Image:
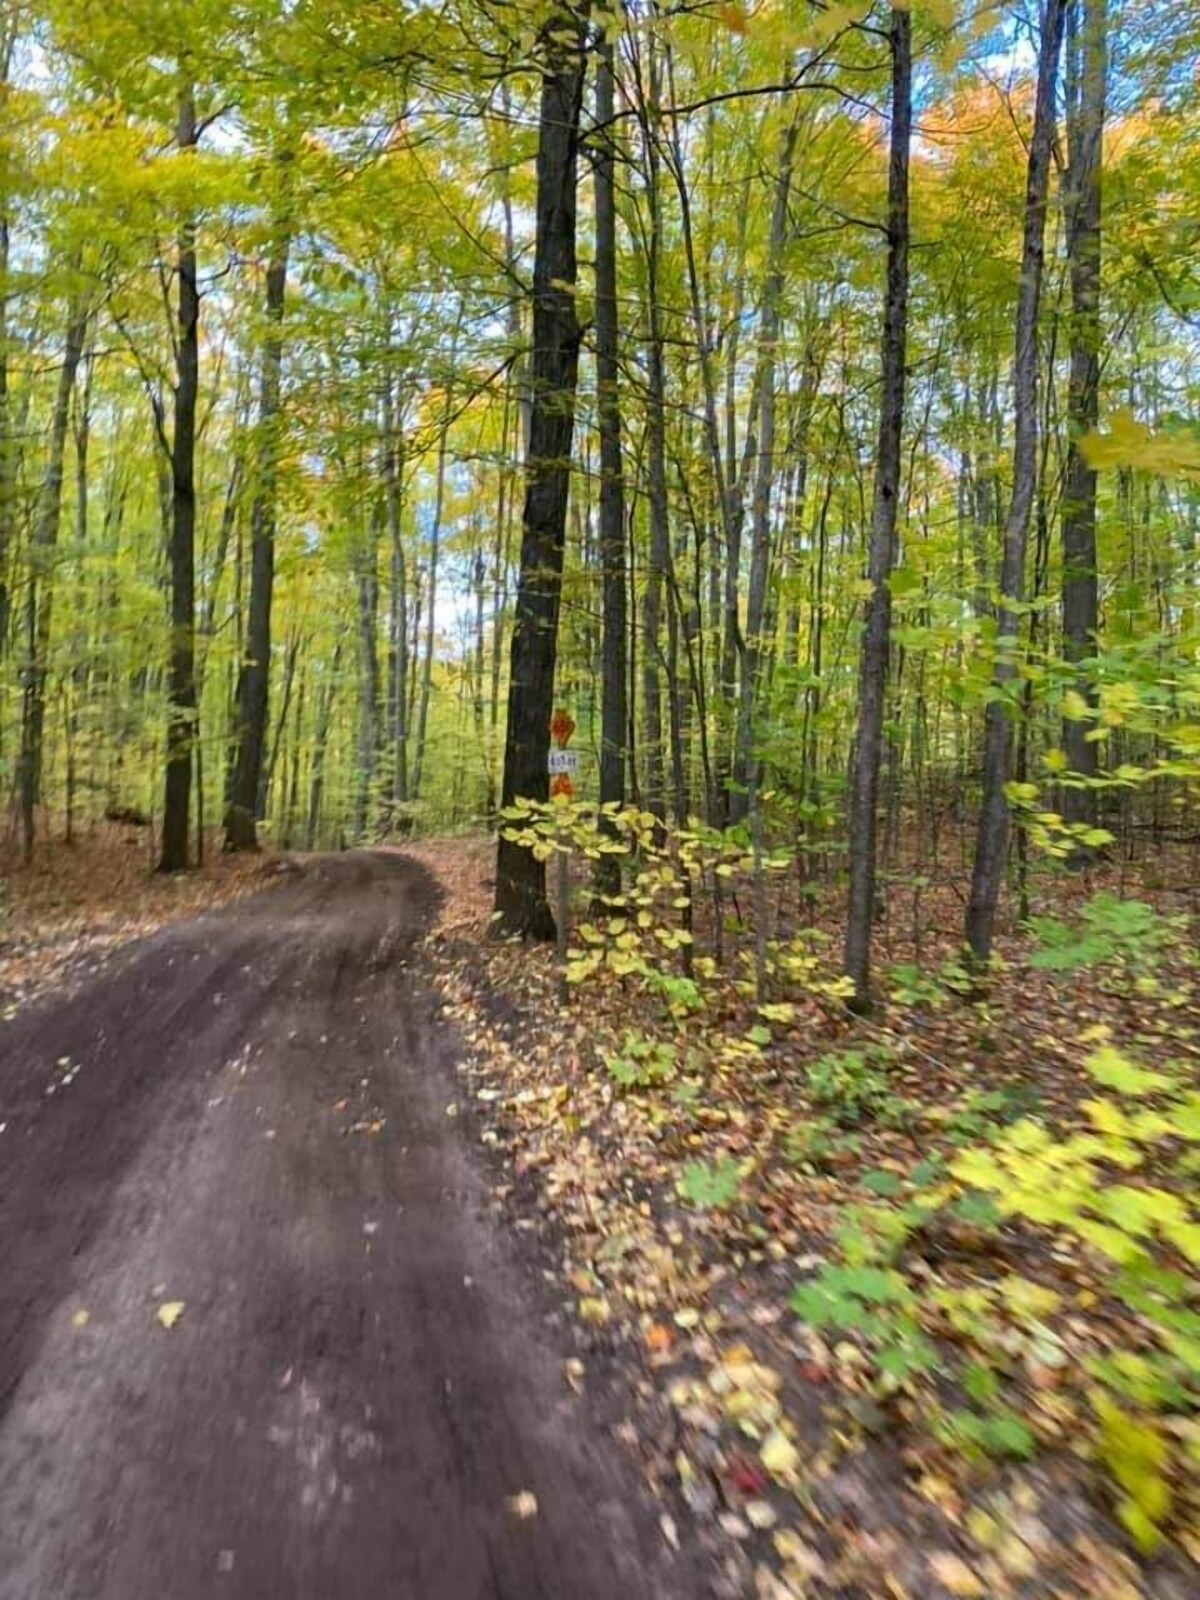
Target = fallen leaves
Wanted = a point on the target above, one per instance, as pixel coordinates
(169, 1313)
(780, 1456)
(954, 1575)
(767, 1427)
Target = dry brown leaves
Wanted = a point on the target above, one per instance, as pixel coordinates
(62, 914)
(766, 1432)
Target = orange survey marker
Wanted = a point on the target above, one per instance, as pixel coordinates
(562, 726)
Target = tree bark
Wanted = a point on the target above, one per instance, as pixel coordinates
(393, 488)
(368, 679)
(254, 679)
(744, 773)
(991, 844)
(39, 590)
(181, 661)
(1088, 70)
(435, 544)
(8, 462)
(862, 816)
(521, 902)
(613, 709)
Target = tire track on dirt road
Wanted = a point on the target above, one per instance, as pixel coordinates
(360, 1400)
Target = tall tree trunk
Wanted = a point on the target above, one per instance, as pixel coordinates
(613, 710)
(39, 590)
(862, 818)
(435, 544)
(316, 792)
(8, 461)
(368, 680)
(653, 787)
(254, 678)
(991, 844)
(744, 773)
(181, 663)
(393, 489)
(1087, 57)
(520, 879)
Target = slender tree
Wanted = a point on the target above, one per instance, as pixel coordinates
(521, 902)
(39, 590)
(253, 687)
(1087, 59)
(614, 669)
(862, 817)
(991, 843)
(181, 660)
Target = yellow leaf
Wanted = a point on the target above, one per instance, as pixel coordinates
(80, 1319)
(954, 1574)
(779, 1455)
(170, 1312)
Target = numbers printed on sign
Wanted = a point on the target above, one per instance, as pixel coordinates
(563, 761)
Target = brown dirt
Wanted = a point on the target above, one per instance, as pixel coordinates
(248, 1113)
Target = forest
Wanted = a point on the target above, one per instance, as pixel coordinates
(719, 483)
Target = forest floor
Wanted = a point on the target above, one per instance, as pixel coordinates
(64, 913)
(852, 1392)
(262, 1331)
(342, 1258)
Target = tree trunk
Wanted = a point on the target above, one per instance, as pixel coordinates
(613, 711)
(8, 462)
(393, 488)
(368, 681)
(521, 880)
(39, 591)
(991, 844)
(1087, 57)
(435, 543)
(254, 679)
(181, 662)
(744, 767)
(316, 793)
(862, 819)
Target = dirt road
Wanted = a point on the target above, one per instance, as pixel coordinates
(361, 1399)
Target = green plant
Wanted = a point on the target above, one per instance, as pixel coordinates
(710, 1186)
(912, 985)
(641, 1062)
(1109, 932)
(819, 1144)
(1094, 1184)
(876, 1302)
(851, 1089)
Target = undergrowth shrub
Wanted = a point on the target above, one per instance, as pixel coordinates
(1120, 1186)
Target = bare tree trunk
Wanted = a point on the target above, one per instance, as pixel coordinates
(1087, 58)
(316, 793)
(368, 680)
(653, 786)
(991, 844)
(613, 709)
(435, 541)
(39, 591)
(393, 488)
(254, 679)
(8, 462)
(744, 766)
(521, 901)
(181, 664)
(862, 818)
